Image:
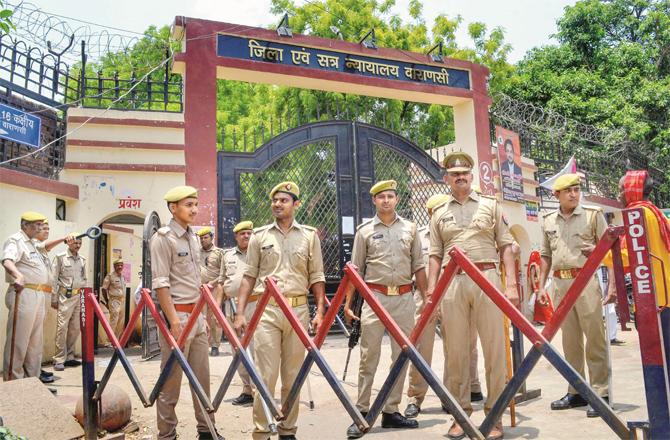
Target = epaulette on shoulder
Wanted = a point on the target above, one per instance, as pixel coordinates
(486, 196)
(363, 224)
(309, 228)
(547, 214)
(61, 254)
(593, 208)
(262, 228)
(164, 230)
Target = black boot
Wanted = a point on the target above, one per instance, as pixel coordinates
(353, 431)
(206, 435)
(568, 401)
(476, 396)
(243, 400)
(397, 420)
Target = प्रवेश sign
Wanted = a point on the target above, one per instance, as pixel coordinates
(19, 126)
(250, 49)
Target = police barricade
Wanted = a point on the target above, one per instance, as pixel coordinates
(93, 390)
(541, 346)
(312, 346)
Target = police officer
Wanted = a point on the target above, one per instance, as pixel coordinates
(69, 271)
(476, 224)
(570, 234)
(211, 259)
(387, 252)
(416, 392)
(291, 253)
(114, 294)
(175, 272)
(232, 271)
(27, 274)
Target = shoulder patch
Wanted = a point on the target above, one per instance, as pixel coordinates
(366, 222)
(262, 228)
(164, 230)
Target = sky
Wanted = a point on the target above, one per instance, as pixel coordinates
(528, 23)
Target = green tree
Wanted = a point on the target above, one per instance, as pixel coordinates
(611, 69)
(5, 19)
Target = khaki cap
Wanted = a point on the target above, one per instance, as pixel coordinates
(458, 162)
(565, 181)
(243, 226)
(180, 193)
(384, 185)
(32, 216)
(286, 187)
(204, 231)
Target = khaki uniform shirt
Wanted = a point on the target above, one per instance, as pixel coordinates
(41, 248)
(232, 270)
(387, 254)
(564, 237)
(424, 236)
(175, 262)
(69, 271)
(477, 226)
(293, 259)
(28, 260)
(210, 264)
(115, 284)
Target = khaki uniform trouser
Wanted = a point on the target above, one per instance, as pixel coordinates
(277, 349)
(584, 319)
(401, 308)
(418, 387)
(215, 330)
(29, 333)
(67, 327)
(247, 387)
(117, 309)
(196, 352)
(465, 305)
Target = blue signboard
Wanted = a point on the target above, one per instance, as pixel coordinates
(19, 126)
(325, 60)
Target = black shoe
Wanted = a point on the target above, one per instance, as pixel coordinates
(476, 397)
(208, 436)
(287, 437)
(46, 373)
(569, 401)
(214, 352)
(412, 411)
(47, 378)
(397, 420)
(616, 341)
(592, 412)
(353, 431)
(72, 363)
(243, 400)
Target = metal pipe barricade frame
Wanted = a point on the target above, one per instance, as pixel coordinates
(409, 351)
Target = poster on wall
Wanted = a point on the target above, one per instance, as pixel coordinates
(509, 161)
(116, 254)
(126, 272)
(532, 210)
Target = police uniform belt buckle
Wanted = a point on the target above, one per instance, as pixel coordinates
(566, 273)
(68, 293)
(392, 291)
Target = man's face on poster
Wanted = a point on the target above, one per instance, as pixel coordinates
(509, 151)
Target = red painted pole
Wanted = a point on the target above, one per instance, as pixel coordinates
(333, 307)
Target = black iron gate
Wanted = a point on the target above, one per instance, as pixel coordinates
(335, 163)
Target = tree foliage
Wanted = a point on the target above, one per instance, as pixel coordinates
(611, 68)
(5, 19)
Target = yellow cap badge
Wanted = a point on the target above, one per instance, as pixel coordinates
(384, 185)
(243, 226)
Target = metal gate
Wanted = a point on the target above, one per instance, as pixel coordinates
(150, 345)
(335, 163)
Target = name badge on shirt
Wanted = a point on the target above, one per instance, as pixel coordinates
(377, 236)
(270, 246)
(182, 254)
(449, 218)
